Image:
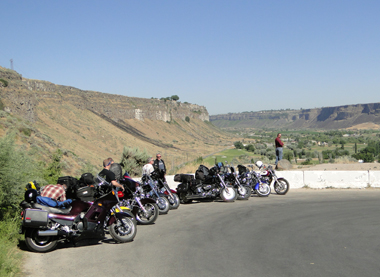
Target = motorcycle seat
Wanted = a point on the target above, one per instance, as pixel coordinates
(51, 209)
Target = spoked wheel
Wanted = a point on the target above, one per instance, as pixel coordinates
(228, 194)
(39, 243)
(281, 186)
(263, 190)
(174, 203)
(150, 216)
(163, 205)
(123, 229)
(244, 192)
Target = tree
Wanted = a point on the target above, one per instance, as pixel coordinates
(174, 97)
(239, 145)
(250, 148)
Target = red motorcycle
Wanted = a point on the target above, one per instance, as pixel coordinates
(45, 226)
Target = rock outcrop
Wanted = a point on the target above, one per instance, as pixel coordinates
(320, 118)
(23, 95)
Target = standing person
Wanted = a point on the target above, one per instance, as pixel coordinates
(148, 168)
(57, 192)
(279, 144)
(159, 166)
(108, 175)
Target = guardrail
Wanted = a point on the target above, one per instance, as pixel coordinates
(321, 179)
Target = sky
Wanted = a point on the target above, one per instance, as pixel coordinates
(226, 55)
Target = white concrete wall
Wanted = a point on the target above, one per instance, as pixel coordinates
(321, 179)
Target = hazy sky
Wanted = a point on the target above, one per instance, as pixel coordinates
(227, 55)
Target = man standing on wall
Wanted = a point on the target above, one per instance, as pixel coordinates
(279, 144)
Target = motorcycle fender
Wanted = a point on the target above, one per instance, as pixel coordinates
(119, 215)
(257, 186)
(173, 191)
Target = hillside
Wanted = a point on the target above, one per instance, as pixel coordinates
(341, 117)
(90, 126)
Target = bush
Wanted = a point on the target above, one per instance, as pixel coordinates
(17, 168)
(187, 119)
(5, 82)
(133, 159)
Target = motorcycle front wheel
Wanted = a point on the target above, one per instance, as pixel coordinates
(174, 203)
(163, 205)
(151, 215)
(244, 193)
(123, 229)
(228, 194)
(38, 243)
(281, 186)
(264, 190)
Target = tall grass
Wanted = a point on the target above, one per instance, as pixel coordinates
(10, 255)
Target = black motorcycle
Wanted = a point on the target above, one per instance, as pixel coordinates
(150, 188)
(164, 188)
(142, 206)
(243, 190)
(207, 184)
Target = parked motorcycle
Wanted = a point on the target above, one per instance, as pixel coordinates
(254, 180)
(244, 191)
(142, 206)
(280, 185)
(207, 184)
(149, 187)
(164, 188)
(45, 226)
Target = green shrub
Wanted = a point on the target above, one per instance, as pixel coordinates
(133, 159)
(5, 82)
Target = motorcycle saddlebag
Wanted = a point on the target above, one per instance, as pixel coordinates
(85, 194)
(183, 178)
(182, 188)
(68, 181)
(35, 218)
(177, 178)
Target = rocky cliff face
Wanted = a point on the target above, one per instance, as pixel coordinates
(321, 118)
(23, 95)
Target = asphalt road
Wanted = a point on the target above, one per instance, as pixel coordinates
(304, 233)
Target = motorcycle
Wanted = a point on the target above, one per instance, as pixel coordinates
(208, 184)
(45, 226)
(254, 180)
(244, 191)
(143, 207)
(280, 185)
(149, 187)
(164, 188)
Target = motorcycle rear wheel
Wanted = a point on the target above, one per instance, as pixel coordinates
(264, 190)
(175, 203)
(281, 186)
(153, 211)
(228, 196)
(38, 243)
(123, 230)
(244, 195)
(163, 205)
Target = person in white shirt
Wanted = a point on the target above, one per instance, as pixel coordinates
(148, 168)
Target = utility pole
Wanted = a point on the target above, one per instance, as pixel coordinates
(12, 64)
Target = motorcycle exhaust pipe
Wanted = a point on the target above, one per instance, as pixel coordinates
(52, 233)
(48, 233)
